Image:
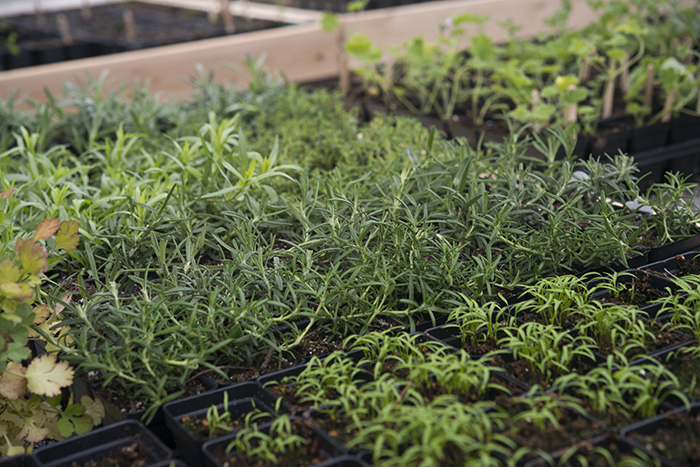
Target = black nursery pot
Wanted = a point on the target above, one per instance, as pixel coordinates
(23, 460)
(676, 248)
(618, 448)
(670, 267)
(157, 425)
(649, 137)
(103, 443)
(684, 128)
(327, 446)
(581, 148)
(613, 137)
(243, 398)
(642, 436)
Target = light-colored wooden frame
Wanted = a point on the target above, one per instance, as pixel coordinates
(301, 52)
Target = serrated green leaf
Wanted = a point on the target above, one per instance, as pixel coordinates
(574, 96)
(329, 22)
(616, 54)
(93, 409)
(32, 255)
(360, 47)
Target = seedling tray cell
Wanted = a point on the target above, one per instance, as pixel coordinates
(102, 443)
(243, 398)
(659, 433)
(327, 446)
(618, 448)
(653, 283)
(23, 460)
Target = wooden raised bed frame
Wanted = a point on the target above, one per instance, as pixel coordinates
(301, 52)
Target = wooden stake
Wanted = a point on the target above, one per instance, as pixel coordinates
(668, 106)
(129, 23)
(535, 99)
(585, 71)
(625, 76)
(86, 11)
(689, 54)
(343, 67)
(649, 87)
(229, 26)
(608, 99)
(571, 111)
(39, 12)
(64, 29)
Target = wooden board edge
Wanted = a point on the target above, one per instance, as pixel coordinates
(300, 52)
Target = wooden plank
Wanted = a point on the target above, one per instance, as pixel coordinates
(301, 52)
(24, 7)
(248, 9)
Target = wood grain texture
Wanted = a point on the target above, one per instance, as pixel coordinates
(300, 52)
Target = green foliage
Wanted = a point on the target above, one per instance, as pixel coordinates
(27, 417)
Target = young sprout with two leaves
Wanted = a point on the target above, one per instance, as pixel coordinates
(387, 351)
(454, 374)
(545, 352)
(617, 329)
(322, 380)
(285, 438)
(619, 393)
(554, 299)
(480, 326)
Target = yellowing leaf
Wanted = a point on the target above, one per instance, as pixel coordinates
(6, 194)
(47, 228)
(13, 384)
(41, 314)
(67, 237)
(13, 449)
(94, 409)
(33, 428)
(65, 298)
(17, 291)
(45, 376)
(32, 255)
(9, 271)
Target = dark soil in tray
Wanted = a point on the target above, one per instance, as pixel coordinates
(548, 438)
(117, 396)
(522, 372)
(664, 339)
(240, 374)
(124, 456)
(308, 454)
(337, 427)
(315, 343)
(289, 394)
(688, 265)
(499, 395)
(676, 440)
(199, 427)
(686, 367)
(590, 451)
(639, 292)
